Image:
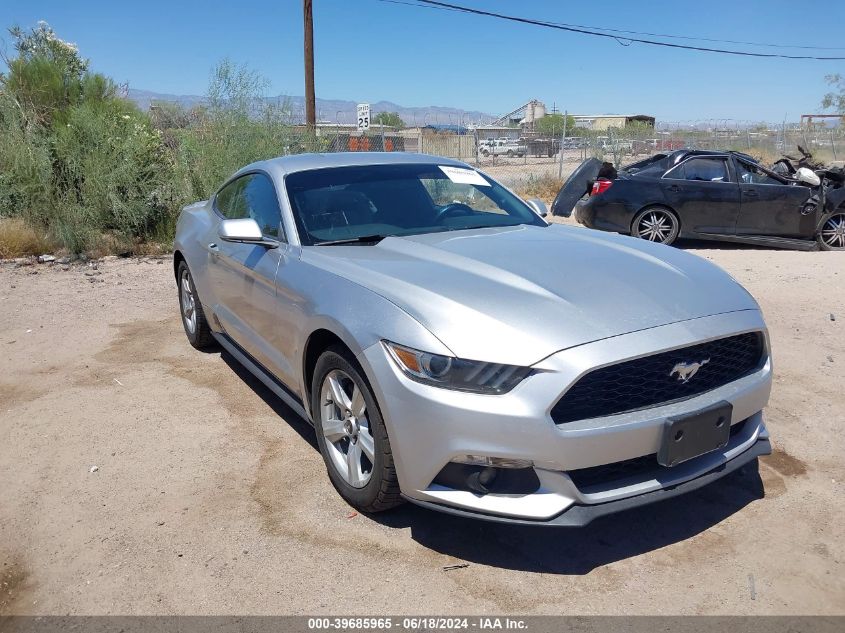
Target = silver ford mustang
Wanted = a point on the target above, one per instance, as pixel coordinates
(453, 349)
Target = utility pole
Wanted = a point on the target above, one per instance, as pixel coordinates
(310, 101)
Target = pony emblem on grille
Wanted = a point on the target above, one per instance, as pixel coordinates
(686, 371)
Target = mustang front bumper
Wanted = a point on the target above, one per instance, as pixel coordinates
(431, 428)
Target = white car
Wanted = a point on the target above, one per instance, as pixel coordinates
(503, 147)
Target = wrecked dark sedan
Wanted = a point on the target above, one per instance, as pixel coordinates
(712, 195)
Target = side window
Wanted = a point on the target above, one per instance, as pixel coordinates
(706, 169)
(263, 205)
(251, 196)
(752, 175)
(229, 200)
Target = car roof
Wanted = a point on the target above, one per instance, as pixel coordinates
(284, 165)
(678, 155)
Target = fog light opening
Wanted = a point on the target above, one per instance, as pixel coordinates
(481, 481)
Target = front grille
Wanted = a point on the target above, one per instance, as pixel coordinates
(609, 476)
(646, 382)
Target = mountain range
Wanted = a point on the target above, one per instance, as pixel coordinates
(334, 110)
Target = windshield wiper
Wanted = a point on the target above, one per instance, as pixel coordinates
(363, 239)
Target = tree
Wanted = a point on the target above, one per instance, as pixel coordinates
(49, 76)
(42, 42)
(389, 119)
(836, 98)
(552, 124)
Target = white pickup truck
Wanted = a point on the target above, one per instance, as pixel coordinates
(501, 147)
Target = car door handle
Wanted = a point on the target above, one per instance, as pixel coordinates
(674, 188)
(750, 193)
(212, 246)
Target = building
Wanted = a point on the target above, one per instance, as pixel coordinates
(485, 132)
(606, 121)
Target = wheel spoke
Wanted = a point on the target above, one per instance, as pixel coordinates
(365, 441)
(833, 232)
(333, 430)
(353, 464)
(358, 406)
(339, 396)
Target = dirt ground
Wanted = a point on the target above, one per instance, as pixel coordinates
(210, 497)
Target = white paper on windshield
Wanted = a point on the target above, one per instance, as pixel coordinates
(464, 176)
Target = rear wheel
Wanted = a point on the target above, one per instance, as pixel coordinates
(193, 317)
(831, 237)
(351, 434)
(656, 224)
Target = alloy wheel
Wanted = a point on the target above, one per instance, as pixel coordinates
(655, 226)
(346, 428)
(833, 231)
(189, 304)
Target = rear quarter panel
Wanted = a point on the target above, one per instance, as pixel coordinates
(614, 210)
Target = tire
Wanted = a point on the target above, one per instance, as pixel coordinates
(367, 482)
(485, 153)
(510, 153)
(656, 224)
(190, 308)
(831, 237)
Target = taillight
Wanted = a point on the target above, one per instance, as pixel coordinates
(600, 186)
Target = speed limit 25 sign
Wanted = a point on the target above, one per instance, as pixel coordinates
(363, 116)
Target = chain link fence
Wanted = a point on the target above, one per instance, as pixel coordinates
(534, 164)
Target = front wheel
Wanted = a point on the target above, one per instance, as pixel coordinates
(831, 237)
(351, 434)
(656, 224)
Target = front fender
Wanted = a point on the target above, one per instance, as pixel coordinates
(359, 317)
(834, 199)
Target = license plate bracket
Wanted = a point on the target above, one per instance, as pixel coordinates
(689, 436)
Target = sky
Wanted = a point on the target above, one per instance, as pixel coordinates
(372, 50)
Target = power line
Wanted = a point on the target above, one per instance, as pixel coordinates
(411, 3)
(588, 31)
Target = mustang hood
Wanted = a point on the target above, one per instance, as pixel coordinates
(518, 294)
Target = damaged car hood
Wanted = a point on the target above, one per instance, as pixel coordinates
(518, 294)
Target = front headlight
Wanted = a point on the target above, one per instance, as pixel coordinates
(456, 373)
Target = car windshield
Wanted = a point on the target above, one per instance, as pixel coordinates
(347, 203)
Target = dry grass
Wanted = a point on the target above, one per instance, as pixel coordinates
(18, 239)
(114, 244)
(544, 187)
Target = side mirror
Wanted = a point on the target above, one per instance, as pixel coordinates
(244, 231)
(539, 206)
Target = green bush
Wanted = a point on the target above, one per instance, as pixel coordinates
(238, 127)
(25, 165)
(76, 159)
(83, 166)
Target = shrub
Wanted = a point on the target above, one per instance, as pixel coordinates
(238, 127)
(544, 187)
(75, 158)
(25, 164)
(113, 168)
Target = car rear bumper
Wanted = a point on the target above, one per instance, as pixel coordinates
(431, 428)
(595, 213)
